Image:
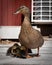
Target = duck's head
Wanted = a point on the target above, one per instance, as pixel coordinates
(23, 10)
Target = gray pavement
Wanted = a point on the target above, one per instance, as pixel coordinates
(45, 57)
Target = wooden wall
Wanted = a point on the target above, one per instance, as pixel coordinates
(7, 8)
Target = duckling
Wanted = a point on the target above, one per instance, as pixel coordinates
(29, 37)
(17, 51)
(12, 50)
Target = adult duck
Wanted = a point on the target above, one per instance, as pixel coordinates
(29, 37)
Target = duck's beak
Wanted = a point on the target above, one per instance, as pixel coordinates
(18, 11)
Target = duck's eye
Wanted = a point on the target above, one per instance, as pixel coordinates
(22, 7)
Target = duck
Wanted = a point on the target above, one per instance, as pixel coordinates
(28, 36)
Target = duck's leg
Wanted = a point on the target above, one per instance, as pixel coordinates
(37, 52)
(27, 55)
(29, 51)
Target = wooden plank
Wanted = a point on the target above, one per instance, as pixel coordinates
(13, 10)
(0, 13)
(47, 44)
(4, 12)
(18, 17)
(9, 12)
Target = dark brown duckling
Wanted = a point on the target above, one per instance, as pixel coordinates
(12, 50)
(17, 51)
(29, 37)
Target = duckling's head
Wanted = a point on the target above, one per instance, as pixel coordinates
(23, 10)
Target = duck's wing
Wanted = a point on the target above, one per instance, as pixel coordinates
(35, 38)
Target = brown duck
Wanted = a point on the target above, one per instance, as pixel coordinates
(29, 37)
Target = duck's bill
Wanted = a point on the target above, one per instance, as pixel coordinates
(16, 12)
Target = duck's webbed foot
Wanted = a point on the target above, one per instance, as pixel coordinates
(27, 53)
(28, 56)
(37, 55)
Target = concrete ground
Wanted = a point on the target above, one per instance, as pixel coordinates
(45, 57)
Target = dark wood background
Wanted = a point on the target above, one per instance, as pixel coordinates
(7, 8)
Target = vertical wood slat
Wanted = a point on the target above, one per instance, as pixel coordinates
(0, 12)
(13, 10)
(18, 17)
(9, 12)
(4, 12)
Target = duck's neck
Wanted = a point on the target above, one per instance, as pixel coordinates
(26, 20)
(26, 25)
(27, 15)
